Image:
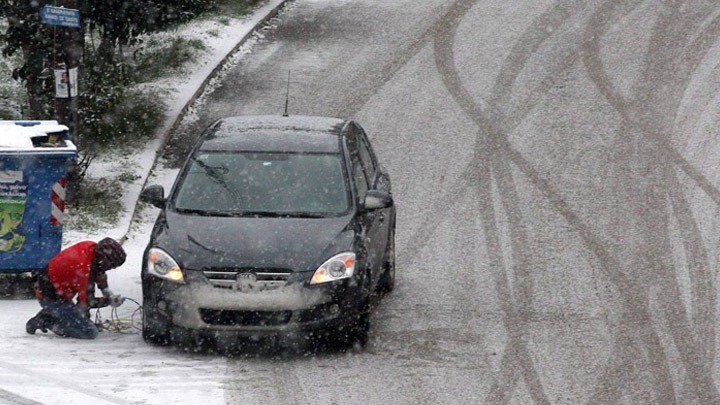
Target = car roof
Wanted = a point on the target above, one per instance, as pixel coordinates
(261, 133)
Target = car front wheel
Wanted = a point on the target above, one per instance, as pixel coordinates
(387, 279)
(359, 333)
(155, 328)
(356, 334)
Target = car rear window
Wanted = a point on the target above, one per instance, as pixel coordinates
(251, 182)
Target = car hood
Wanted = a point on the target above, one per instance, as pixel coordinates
(297, 244)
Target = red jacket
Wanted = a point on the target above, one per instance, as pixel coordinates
(69, 271)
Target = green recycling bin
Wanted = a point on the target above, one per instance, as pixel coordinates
(34, 160)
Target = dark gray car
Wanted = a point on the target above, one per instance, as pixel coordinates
(275, 225)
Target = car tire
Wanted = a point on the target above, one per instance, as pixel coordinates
(387, 279)
(155, 329)
(359, 333)
(355, 335)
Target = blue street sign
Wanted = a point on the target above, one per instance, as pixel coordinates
(66, 17)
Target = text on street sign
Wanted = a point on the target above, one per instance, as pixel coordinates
(66, 17)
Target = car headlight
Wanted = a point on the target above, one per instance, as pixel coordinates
(336, 268)
(163, 265)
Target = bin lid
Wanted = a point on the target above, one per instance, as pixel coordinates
(16, 137)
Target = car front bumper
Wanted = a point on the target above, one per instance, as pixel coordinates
(290, 309)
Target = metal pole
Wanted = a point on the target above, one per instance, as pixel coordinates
(67, 49)
(67, 54)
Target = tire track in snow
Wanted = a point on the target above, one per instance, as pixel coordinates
(622, 365)
(618, 372)
(493, 168)
(271, 381)
(696, 353)
(485, 121)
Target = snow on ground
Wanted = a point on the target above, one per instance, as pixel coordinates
(119, 368)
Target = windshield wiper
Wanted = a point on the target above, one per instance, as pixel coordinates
(208, 213)
(282, 214)
(250, 214)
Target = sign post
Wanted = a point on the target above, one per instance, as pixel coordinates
(65, 19)
(67, 53)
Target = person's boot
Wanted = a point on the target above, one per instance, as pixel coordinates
(37, 322)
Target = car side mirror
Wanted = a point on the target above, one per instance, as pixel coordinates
(376, 199)
(154, 195)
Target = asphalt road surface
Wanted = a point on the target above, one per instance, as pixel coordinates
(555, 171)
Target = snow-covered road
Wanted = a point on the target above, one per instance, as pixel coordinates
(554, 166)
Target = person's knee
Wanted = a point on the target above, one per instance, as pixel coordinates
(88, 330)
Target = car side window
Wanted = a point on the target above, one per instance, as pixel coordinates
(360, 180)
(366, 158)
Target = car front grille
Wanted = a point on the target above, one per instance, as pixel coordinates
(266, 279)
(245, 318)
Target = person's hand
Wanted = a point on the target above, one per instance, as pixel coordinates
(116, 300)
(97, 302)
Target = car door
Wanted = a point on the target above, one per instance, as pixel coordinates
(378, 180)
(366, 178)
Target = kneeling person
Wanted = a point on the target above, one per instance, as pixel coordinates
(74, 272)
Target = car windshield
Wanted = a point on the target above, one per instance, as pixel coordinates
(270, 184)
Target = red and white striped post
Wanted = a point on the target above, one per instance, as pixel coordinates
(58, 202)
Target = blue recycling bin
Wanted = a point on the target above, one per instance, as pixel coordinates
(34, 159)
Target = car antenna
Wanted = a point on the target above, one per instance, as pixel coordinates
(287, 95)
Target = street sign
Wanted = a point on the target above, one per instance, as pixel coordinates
(66, 17)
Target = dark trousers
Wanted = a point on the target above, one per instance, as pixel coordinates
(65, 318)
